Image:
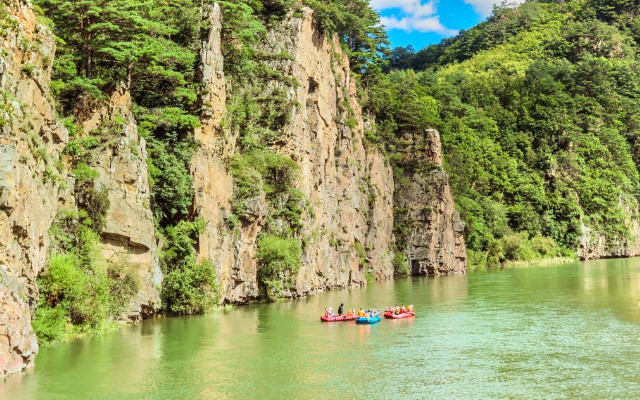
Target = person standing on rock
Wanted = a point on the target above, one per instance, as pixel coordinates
(340, 311)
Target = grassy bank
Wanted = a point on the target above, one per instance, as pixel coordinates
(540, 262)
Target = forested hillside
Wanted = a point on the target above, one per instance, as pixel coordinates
(538, 109)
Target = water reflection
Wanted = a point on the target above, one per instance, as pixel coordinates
(556, 332)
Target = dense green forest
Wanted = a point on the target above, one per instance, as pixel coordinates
(538, 110)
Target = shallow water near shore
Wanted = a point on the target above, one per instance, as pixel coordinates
(570, 331)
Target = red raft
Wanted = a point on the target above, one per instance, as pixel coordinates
(390, 315)
(335, 318)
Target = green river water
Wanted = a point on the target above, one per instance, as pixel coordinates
(564, 332)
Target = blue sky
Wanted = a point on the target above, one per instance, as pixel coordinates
(423, 22)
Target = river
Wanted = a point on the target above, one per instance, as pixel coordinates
(563, 332)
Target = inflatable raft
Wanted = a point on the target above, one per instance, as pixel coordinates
(391, 315)
(335, 318)
(369, 320)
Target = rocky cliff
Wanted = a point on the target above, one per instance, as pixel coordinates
(348, 229)
(35, 183)
(427, 223)
(349, 184)
(594, 245)
(346, 186)
(30, 143)
(129, 234)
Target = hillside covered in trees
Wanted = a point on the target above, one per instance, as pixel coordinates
(538, 109)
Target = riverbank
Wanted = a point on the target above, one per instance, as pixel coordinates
(543, 262)
(539, 262)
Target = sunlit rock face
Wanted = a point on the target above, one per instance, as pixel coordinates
(31, 140)
(425, 208)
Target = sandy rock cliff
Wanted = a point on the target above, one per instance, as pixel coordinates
(594, 245)
(349, 186)
(35, 184)
(232, 250)
(347, 232)
(31, 140)
(129, 234)
(425, 209)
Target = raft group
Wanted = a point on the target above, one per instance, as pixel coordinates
(367, 316)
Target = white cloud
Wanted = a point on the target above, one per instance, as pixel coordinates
(414, 15)
(484, 7)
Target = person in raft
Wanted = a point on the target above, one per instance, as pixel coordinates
(360, 312)
(328, 312)
(340, 310)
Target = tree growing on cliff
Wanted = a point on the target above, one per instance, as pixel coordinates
(189, 287)
(104, 42)
(358, 26)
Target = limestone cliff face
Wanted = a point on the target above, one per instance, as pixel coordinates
(594, 245)
(348, 232)
(129, 235)
(431, 229)
(349, 185)
(31, 140)
(348, 224)
(232, 250)
(35, 184)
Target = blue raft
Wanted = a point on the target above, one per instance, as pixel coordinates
(370, 320)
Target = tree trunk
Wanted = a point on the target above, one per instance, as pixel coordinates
(129, 68)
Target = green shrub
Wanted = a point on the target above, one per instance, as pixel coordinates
(545, 246)
(28, 69)
(476, 259)
(95, 202)
(189, 287)
(180, 240)
(247, 183)
(170, 179)
(80, 148)
(79, 291)
(290, 208)
(512, 247)
(190, 290)
(85, 174)
(400, 264)
(369, 277)
(262, 171)
(124, 283)
(50, 324)
(361, 252)
(279, 261)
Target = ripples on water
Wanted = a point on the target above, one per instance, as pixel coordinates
(565, 332)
